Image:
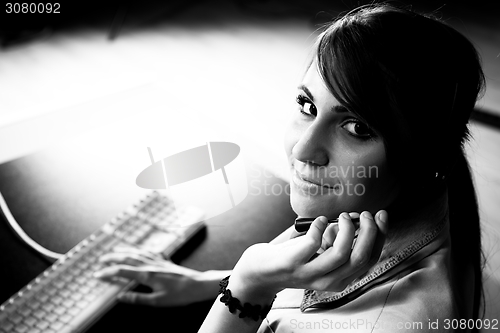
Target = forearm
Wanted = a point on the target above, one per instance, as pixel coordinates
(220, 320)
(210, 282)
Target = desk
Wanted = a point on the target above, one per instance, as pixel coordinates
(58, 205)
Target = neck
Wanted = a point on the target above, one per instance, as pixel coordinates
(417, 212)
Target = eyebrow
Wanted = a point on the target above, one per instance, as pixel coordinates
(307, 91)
(336, 108)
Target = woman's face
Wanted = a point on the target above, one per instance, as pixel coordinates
(337, 163)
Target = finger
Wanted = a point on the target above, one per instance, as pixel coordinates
(332, 230)
(132, 297)
(140, 274)
(329, 235)
(382, 220)
(371, 239)
(314, 235)
(123, 258)
(367, 250)
(295, 234)
(362, 250)
(339, 253)
(140, 252)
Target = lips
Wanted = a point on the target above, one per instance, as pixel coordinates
(310, 185)
(312, 181)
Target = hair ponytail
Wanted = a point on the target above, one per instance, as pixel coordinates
(465, 227)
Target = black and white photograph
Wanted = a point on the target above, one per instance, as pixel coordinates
(261, 166)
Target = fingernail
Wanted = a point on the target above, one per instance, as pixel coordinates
(367, 215)
(383, 216)
(346, 216)
(323, 219)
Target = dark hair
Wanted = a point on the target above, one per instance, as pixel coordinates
(414, 80)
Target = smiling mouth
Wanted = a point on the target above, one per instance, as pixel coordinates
(310, 186)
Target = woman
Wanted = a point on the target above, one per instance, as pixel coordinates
(388, 95)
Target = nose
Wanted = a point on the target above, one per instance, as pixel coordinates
(310, 148)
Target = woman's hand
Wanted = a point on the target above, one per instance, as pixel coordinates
(171, 284)
(265, 269)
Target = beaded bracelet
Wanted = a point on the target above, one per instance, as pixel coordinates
(247, 310)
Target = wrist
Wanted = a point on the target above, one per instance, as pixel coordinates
(251, 293)
(245, 308)
(210, 281)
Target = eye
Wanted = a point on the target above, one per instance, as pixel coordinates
(306, 106)
(358, 129)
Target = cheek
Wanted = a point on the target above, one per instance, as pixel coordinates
(369, 184)
(292, 135)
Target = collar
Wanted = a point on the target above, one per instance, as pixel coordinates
(405, 244)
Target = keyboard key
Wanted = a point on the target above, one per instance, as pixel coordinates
(56, 300)
(92, 283)
(51, 317)
(76, 296)
(16, 318)
(24, 311)
(42, 297)
(95, 267)
(30, 321)
(43, 324)
(83, 265)
(81, 280)
(57, 325)
(64, 293)
(67, 329)
(51, 290)
(21, 328)
(66, 318)
(84, 290)
(75, 271)
(132, 238)
(58, 284)
(60, 310)
(74, 311)
(73, 286)
(40, 314)
(82, 304)
(34, 330)
(8, 326)
(48, 307)
(68, 303)
(67, 277)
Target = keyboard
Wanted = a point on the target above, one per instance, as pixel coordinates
(67, 298)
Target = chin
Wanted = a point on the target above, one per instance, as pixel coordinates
(313, 206)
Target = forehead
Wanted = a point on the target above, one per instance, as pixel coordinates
(315, 87)
(312, 78)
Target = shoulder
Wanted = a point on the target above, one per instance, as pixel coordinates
(421, 298)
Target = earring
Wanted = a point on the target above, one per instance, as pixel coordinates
(439, 176)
